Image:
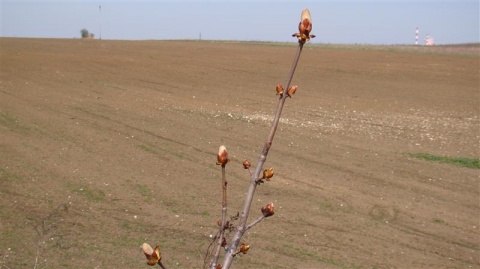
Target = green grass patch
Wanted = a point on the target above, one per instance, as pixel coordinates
(459, 161)
(147, 148)
(7, 120)
(326, 205)
(143, 190)
(7, 175)
(439, 221)
(11, 123)
(92, 195)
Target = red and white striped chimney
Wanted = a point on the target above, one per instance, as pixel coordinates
(416, 36)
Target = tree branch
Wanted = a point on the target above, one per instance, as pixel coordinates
(242, 228)
(221, 231)
(257, 220)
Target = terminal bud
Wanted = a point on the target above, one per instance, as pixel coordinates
(304, 27)
(268, 210)
(153, 255)
(222, 157)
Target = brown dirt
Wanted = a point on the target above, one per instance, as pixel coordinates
(107, 144)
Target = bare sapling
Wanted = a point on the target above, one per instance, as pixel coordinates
(257, 176)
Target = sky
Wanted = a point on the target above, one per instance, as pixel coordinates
(334, 21)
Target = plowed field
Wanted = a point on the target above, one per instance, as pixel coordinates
(105, 145)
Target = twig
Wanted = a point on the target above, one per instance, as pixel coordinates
(161, 265)
(36, 259)
(221, 231)
(250, 171)
(209, 252)
(242, 228)
(257, 220)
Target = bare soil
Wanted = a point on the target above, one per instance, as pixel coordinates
(105, 145)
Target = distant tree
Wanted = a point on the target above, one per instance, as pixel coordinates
(84, 32)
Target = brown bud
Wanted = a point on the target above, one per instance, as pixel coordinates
(222, 157)
(219, 266)
(156, 255)
(304, 27)
(279, 89)
(246, 164)
(268, 210)
(224, 242)
(292, 90)
(305, 23)
(153, 255)
(244, 248)
(267, 174)
(147, 250)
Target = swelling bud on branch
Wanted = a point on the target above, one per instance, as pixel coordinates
(279, 89)
(268, 210)
(153, 255)
(292, 91)
(304, 27)
(243, 249)
(268, 174)
(222, 157)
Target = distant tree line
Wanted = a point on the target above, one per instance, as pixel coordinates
(85, 34)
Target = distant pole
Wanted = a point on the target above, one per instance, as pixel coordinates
(416, 36)
(200, 36)
(100, 11)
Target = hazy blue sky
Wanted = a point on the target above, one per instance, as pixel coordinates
(334, 21)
